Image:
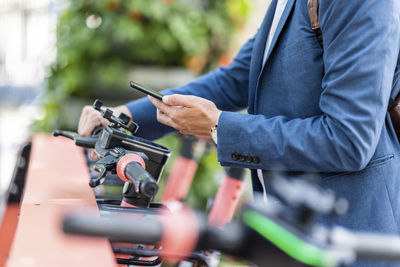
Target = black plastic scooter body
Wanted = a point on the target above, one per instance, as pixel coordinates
(157, 154)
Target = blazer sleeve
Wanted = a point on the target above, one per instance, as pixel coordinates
(227, 87)
(361, 48)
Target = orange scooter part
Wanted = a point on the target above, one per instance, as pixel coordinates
(7, 231)
(180, 232)
(56, 183)
(178, 183)
(124, 161)
(226, 201)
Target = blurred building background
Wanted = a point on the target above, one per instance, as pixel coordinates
(27, 46)
(28, 52)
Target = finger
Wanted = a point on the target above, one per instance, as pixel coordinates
(83, 118)
(104, 122)
(185, 132)
(81, 125)
(100, 121)
(90, 119)
(154, 100)
(157, 103)
(165, 119)
(163, 108)
(93, 120)
(93, 154)
(181, 100)
(88, 129)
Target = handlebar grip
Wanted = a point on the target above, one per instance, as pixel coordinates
(123, 229)
(88, 142)
(178, 232)
(147, 185)
(131, 169)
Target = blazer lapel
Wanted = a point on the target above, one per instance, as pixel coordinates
(261, 50)
(281, 24)
(258, 51)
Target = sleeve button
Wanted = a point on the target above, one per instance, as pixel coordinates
(242, 158)
(256, 160)
(249, 159)
(235, 156)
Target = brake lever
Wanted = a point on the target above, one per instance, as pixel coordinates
(68, 134)
(99, 179)
(104, 165)
(88, 142)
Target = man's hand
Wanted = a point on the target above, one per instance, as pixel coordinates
(186, 113)
(91, 118)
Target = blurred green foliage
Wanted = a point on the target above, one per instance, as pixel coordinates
(98, 42)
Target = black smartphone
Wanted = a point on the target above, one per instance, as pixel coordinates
(150, 92)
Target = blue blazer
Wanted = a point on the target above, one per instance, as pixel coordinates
(312, 109)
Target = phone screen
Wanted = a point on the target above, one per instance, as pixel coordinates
(150, 92)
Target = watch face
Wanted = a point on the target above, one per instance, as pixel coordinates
(214, 135)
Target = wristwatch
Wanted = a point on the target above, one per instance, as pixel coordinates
(213, 134)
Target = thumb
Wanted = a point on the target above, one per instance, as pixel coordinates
(179, 100)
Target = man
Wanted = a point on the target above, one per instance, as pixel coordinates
(310, 109)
